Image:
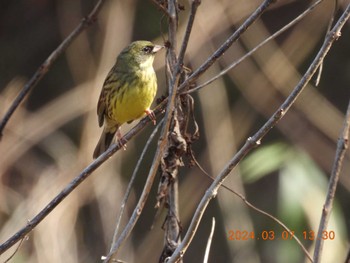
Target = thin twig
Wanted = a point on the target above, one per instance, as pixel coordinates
(194, 6)
(254, 141)
(210, 238)
(16, 250)
(160, 7)
(131, 183)
(343, 144)
(330, 23)
(44, 68)
(236, 63)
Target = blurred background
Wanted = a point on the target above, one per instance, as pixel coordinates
(51, 137)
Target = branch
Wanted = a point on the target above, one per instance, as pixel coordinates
(207, 250)
(330, 23)
(194, 6)
(343, 144)
(254, 141)
(169, 160)
(160, 7)
(44, 68)
(236, 63)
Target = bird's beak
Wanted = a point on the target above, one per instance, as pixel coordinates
(156, 48)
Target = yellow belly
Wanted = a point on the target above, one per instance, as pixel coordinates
(136, 99)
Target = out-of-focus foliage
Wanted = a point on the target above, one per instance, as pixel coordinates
(50, 138)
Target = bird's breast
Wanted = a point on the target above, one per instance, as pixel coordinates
(137, 97)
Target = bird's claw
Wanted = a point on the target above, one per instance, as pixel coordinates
(151, 115)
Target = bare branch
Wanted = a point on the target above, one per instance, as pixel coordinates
(330, 23)
(44, 68)
(170, 160)
(343, 144)
(194, 6)
(207, 250)
(236, 63)
(255, 140)
(160, 7)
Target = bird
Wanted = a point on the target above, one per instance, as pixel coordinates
(127, 92)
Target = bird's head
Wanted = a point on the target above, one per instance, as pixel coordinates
(139, 54)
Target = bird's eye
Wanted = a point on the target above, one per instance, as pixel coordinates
(147, 49)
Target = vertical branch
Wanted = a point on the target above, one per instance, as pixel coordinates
(343, 143)
(173, 21)
(176, 142)
(168, 187)
(210, 238)
(195, 4)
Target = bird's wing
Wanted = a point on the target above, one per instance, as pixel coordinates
(101, 108)
(112, 82)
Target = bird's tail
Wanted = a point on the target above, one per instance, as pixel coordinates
(104, 142)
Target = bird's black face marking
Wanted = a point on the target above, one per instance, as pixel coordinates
(147, 49)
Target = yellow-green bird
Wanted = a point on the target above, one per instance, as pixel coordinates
(128, 91)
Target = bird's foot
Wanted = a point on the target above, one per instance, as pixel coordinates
(122, 144)
(151, 115)
(121, 140)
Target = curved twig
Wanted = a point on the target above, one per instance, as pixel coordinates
(210, 238)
